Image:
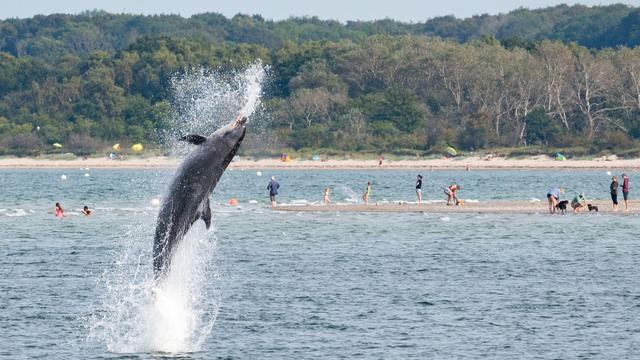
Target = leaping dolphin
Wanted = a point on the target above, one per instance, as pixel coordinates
(187, 198)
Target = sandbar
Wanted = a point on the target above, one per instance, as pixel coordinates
(481, 207)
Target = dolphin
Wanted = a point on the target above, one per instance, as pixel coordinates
(187, 198)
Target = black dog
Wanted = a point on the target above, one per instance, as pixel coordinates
(592, 207)
(562, 206)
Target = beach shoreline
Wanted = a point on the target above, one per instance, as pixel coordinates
(463, 163)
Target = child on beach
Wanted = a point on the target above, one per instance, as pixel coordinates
(58, 211)
(325, 196)
(614, 192)
(452, 194)
(367, 192)
(579, 203)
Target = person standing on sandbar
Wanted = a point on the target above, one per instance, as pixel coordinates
(625, 191)
(419, 188)
(273, 190)
(367, 192)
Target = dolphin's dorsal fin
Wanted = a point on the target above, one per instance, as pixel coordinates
(193, 139)
(206, 213)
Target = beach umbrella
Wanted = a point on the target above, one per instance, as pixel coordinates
(451, 151)
(137, 147)
(116, 147)
(560, 157)
(57, 146)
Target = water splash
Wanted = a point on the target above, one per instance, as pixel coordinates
(175, 315)
(204, 100)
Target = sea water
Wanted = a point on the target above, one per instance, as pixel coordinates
(317, 285)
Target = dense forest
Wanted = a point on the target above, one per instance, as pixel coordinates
(566, 76)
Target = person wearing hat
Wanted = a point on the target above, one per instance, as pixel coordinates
(419, 188)
(625, 191)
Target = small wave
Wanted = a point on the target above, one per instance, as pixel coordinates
(253, 202)
(446, 218)
(473, 201)
(17, 212)
(533, 200)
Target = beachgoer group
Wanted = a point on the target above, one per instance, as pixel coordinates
(59, 211)
(580, 202)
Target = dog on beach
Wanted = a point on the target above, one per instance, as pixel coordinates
(592, 207)
(562, 206)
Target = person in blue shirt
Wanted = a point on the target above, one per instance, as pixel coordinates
(273, 190)
(553, 196)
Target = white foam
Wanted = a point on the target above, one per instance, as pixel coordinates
(253, 201)
(174, 315)
(446, 218)
(17, 212)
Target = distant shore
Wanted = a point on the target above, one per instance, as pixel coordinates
(461, 163)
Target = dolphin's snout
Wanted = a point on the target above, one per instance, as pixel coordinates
(240, 121)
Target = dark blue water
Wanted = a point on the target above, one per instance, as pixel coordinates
(306, 285)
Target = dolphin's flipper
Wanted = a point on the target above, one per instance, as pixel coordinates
(193, 139)
(206, 214)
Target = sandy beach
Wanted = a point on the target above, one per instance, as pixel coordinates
(472, 162)
(482, 207)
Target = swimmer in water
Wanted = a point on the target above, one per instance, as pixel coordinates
(59, 212)
(86, 211)
(325, 196)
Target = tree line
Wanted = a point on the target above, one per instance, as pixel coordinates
(383, 92)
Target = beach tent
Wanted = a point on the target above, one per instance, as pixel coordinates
(116, 147)
(560, 157)
(451, 151)
(137, 147)
(57, 146)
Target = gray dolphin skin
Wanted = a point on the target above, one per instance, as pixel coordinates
(187, 198)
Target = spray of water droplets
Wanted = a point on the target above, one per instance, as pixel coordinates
(204, 100)
(176, 314)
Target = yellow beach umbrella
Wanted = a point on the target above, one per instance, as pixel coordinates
(57, 146)
(451, 151)
(137, 147)
(116, 146)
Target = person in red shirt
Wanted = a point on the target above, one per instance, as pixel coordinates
(625, 191)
